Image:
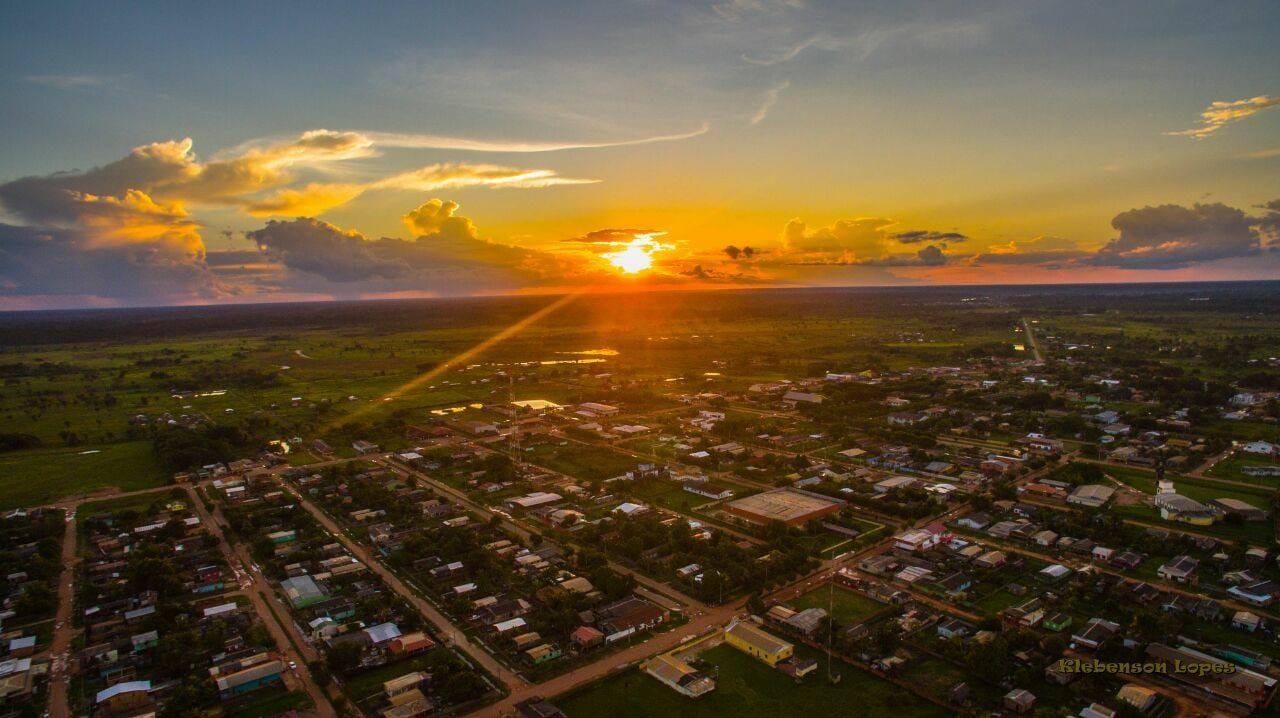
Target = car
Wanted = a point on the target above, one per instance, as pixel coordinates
(293, 665)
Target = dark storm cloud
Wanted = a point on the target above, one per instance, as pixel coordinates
(1171, 236)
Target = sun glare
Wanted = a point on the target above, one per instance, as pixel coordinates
(637, 255)
(635, 258)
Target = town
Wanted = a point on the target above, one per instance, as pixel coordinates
(918, 521)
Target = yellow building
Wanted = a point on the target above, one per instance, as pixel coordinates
(754, 641)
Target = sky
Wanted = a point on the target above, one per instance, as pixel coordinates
(196, 153)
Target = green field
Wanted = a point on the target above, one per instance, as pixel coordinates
(31, 478)
(747, 688)
(1201, 490)
(1230, 468)
(582, 461)
(846, 606)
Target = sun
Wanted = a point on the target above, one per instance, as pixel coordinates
(636, 257)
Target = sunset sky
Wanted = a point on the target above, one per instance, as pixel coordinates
(176, 153)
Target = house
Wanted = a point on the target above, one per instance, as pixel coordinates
(1257, 593)
(1246, 621)
(991, 559)
(1019, 700)
(1179, 568)
(709, 490)
(584, 637)
(536, 707)
(627, 616)
(954, 627)
(679, 676)
(364, 447)
(756, 642)
(1096, 632)
(975, 522)
(1139, 697)
(905, 418)
(917, 540)
(1096, 710)
(410, 644)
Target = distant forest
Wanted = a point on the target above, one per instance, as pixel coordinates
(65, 326)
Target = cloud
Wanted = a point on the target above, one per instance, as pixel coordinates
(310, 245)
(446, 257)
(1047, 252)
(791, 52)
(73, 81)
(735, 10)
(437, 218)
(1172, 236)
(311, 200)
(443, 142)
(916, 236)
(768, 101)
(613, 237)
(1221, 113)
(859, 237)
(458, 175)
(736, 253)
(71, 262)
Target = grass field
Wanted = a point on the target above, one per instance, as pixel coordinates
(1200, 490)
(747, 688)
(1230, 468)
(41, 476)
(847, 607)
(583, 461)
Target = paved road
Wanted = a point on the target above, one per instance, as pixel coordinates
(254, 587)
(1032, 341)
(452, 633)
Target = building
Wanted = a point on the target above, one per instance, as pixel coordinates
(537, 498)
(1256, 593)
(1236, 507)
(249, 679)
(756, 642)
(708, 489)
(790, 506)
(594, 409)
(536, 707)
(1221, 679)
(679, 676)
(627, 616)
(1179, 568)
(799, 397)
(1096, 632)
(1139, 697)
(302, 591)
(122, 698)
(916, 540)
(1091, 495)
(1019, 700)
(1176, 507)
